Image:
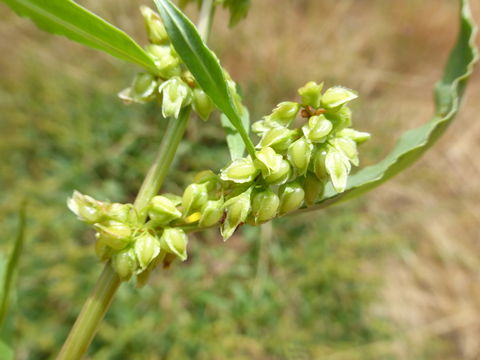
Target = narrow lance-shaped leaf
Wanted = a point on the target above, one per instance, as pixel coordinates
(234, 140)
(412, 144)
(202, 63)
(66, 18)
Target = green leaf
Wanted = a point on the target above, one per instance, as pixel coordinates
(9, 269)
(66, 18)
(202, 63)
(414, 143)
(234, 140)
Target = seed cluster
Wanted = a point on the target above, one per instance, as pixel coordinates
(302, 146)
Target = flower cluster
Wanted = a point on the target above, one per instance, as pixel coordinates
(302, 146)
(173, 86)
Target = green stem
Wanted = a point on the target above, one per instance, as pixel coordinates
(99, 301)
(205, 19)
(91, 315)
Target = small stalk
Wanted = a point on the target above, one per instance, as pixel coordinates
(205, 20)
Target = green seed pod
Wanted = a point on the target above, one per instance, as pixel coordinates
(357, 136)
(318, 129)
(313, 188)
(268, 161)
(299, 154)
(311, 94)
(281, 176)
(155, 28)
(341, 117)
(237, 209)
(124, 213)
(114, 234)
(86, 208)
(166, 60)
(194, 196)
(283, 114)
(202, 104)
(338, 167)
(162, 211)
(176, 95)
(147, 247)
(291, 197)
(319, 164)
(348, 147)
(264, 206)
(212, 213)
(125, 264)
(240, 171)
(278, 138)
(174, 241)
(336, 96)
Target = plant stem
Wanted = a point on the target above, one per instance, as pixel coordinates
(99, 301)
(157, 173)
(205, 19)
(91, 315)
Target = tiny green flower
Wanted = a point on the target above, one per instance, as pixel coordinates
(313, 188)
(162, 210)
(155, 28)
(336, 96)
(299, 154)
(176, 95)
(261, 126)
(318, 129)
(240, 171)
(237, 209)
(348, 147)
(357, 136)
(318, 161)
(166, 60)
(124, 213)
(341, 117)
(114, 234)
(265, 205)
(311, 94)
(86, 208)
(338, 167)
(283, 114)
(278, 138)
(268, 161)
(291, 197)
(175, 241)
(194, 196)
(202, 104)
(146, 247)
(212, 213)
(281, 176)
(125, 264)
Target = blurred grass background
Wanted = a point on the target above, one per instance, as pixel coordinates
(393, 275)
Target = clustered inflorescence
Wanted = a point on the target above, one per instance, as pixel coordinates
(302, 146)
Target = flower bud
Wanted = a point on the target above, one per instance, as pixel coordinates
(175, 241)
(176, 95)
(318, 128)
(114, 234)
(124, 213)
(278, 138)
(311, 94)
(357, 136)
(237, 209)
(280, 176)
(313, 189)
(268, 161)
(336, 96)
(147, 247)
(86, 208)
(299, 154)
(264, 206)
(142, 90)
(291, 197)
(162, 210)
(212, 213)
(283, 114)
(166, 60)
(202, 104)
(348, 147)
(155, 28)
(194, 196)
(240, 171)
(338, 167)
(319, 164)
(124, 264)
